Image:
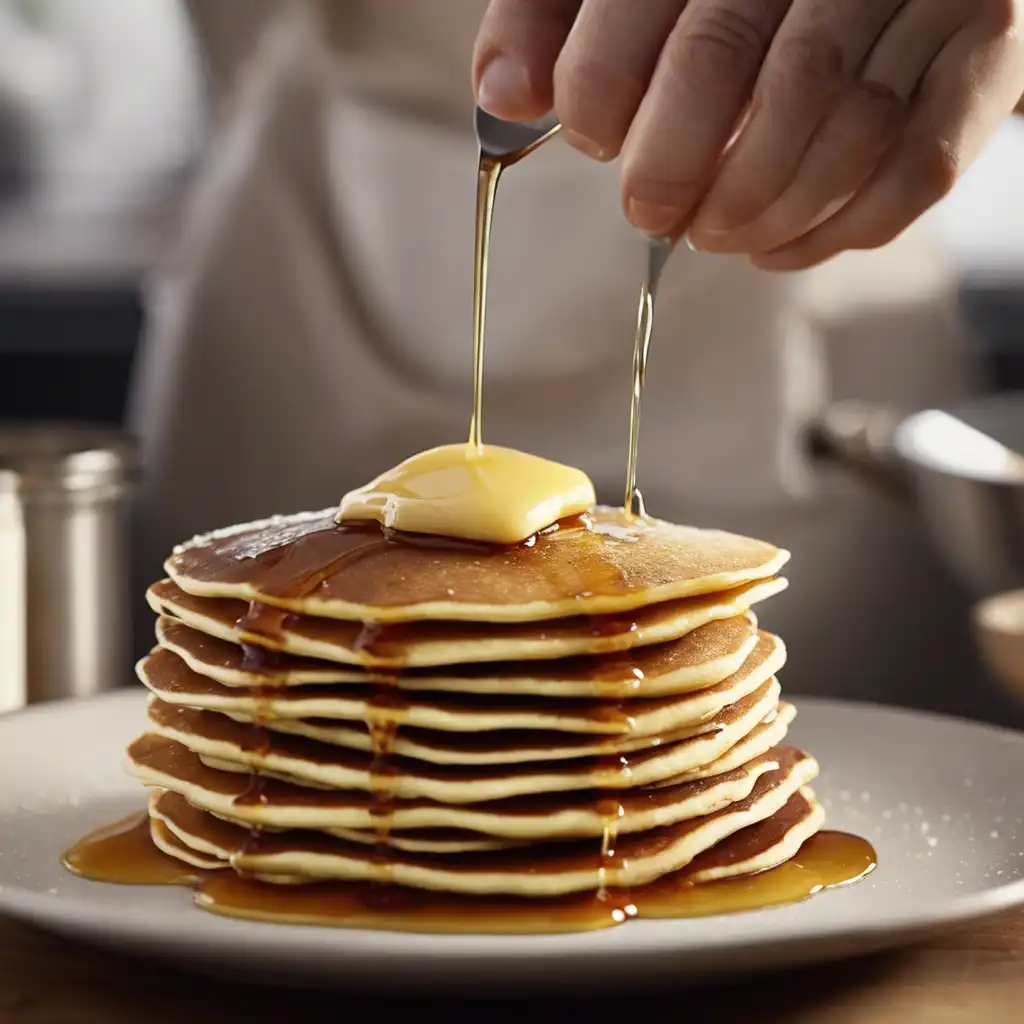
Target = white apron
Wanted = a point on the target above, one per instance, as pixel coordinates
(313, 328)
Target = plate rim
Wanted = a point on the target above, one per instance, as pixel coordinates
(82, 917)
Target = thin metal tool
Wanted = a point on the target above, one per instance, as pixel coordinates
(502, 143)
(658, 252)
(509, 141)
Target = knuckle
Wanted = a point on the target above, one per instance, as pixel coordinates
(810, 62)
(877, 98)
(722, 36)
(576, 82)
(868, 115)
(1004, 16)
(595, 100)
(938, 167)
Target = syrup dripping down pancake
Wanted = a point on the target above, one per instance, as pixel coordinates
(313, 711)
(430, 644)
(165, 764)
(704, 656)
(221, 741)
(536, 870)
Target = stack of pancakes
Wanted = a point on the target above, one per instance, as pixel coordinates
(593, 709)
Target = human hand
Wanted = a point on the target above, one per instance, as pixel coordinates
(851, 117)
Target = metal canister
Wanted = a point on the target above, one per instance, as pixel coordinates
(65, 610)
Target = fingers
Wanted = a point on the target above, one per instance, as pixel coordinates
(515, 53)
(816, 54)
(840, 158)
(700, 88)
(969, 88)
(847, 146)
(847, 149)
(605, 68)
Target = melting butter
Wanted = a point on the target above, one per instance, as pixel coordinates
(471, 492)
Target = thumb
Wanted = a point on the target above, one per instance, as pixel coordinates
(514, 58)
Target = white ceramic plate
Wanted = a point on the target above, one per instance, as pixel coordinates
(941, 800)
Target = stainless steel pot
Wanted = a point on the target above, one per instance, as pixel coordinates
(64, 600)
(963, 468)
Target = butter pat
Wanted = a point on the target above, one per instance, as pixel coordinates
(486, 493)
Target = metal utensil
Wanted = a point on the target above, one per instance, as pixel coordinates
(658, 252)
(962, 467)
(501, 144)
(64, 602)
(507, 142)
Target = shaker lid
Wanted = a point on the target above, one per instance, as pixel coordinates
(64, 456)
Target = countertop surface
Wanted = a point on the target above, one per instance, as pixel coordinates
(968, 976)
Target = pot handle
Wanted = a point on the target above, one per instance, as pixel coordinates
(860, 437)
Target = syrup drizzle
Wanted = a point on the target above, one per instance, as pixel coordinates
(269, 623)
(385, 711)
(634, 500)
(612, 811)
(488, 172)
(125, 854)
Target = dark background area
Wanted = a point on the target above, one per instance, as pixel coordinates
(67, 354)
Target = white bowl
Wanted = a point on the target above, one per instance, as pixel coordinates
(999, 628)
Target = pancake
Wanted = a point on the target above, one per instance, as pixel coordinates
(588, 712)
(749, 851)
(765, 846)
(224, 742)
(429, 644)
(769, 731)
(498, 747)
(167, 842)
(168, 765)
(702, 657)
(536, 870)
(311, 711)
(425, 841)
(603, 563)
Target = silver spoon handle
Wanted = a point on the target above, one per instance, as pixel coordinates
(658, 252)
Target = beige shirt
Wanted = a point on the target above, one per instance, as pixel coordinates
(313, 328)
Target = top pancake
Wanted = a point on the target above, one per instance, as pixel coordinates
(602, 563)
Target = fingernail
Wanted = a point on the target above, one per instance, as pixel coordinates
(652, 218)
(688, 241)
(504, 86)
(588, 146)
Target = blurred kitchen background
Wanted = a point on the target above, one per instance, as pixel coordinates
(102, 114)
(104, 110)
(101, 117)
